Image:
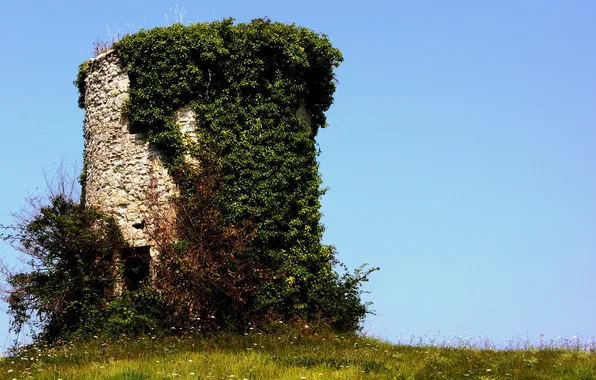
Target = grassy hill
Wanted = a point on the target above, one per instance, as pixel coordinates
(287, 355)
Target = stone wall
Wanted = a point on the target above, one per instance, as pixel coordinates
(125, 174)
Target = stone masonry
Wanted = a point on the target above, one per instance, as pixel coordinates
(125, 173)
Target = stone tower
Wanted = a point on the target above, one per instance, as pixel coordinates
(123, 167)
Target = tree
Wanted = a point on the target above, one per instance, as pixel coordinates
(70, 253)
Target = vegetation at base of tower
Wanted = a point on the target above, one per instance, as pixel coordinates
(70, 251)
(203, 270)
(246, 245)
(67, 289)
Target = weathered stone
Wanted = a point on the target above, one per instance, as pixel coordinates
(125, 173)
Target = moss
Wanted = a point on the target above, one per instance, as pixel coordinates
(80, 82)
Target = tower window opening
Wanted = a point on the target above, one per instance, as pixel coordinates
(136, 262)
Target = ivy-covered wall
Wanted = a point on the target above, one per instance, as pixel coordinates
(259, 92)
(119, 166)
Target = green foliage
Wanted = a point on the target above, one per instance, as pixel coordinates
(246, 83)
(71, 251)
(207, 274)
(80, 82)
(69, 289)
(129, 374)
(133, 312)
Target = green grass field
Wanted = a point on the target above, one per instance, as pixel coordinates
(299, 355)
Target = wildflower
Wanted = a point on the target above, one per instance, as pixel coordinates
(306, 326)
(10, 370)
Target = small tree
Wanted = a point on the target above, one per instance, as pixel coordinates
(202, 271)
(69, 251)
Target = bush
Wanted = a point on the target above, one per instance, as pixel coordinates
(70, 253)
(133, 313)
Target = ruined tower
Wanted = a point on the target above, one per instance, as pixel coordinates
(122, 167)
(208, 133)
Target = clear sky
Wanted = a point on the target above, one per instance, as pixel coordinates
(460, 154)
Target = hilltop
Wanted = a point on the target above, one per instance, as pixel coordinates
(288, 355)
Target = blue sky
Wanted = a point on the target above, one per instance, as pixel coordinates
(460, 154)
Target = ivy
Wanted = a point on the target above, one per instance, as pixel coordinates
(80, 82)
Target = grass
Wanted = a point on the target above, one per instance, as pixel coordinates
(289, 355)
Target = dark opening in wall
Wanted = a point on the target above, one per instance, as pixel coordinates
(136, 266)
(139, 226)
(137, 130)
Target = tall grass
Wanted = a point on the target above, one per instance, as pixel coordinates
(289, 354)
(115, 33)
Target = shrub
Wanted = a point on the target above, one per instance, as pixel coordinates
(70, 253)
(133, 313)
